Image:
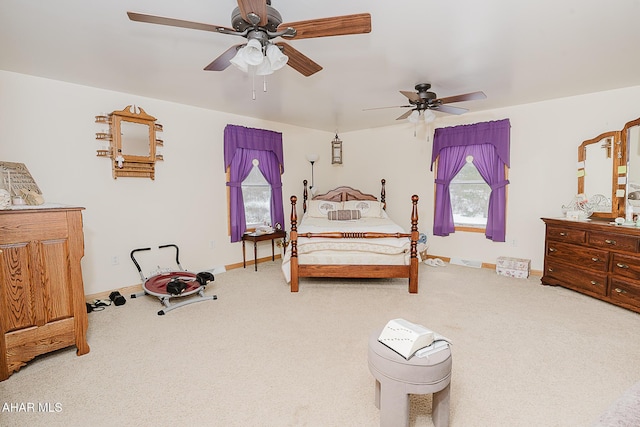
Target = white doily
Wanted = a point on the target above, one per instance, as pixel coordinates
(5, 199)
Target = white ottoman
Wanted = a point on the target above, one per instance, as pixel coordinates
(396, 378)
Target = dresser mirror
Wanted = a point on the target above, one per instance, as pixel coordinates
(598, 167)
(631, 140)
(131, 142)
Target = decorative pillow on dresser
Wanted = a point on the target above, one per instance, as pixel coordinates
(320, 208)
(367, 208)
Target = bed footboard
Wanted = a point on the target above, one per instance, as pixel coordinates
(355, 271)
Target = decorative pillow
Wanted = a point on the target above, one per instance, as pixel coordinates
(367, 208)
(343, 215)
(319, 208)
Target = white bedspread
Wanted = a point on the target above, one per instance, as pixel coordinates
(321, 250)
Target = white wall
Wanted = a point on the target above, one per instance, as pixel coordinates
(49, 126)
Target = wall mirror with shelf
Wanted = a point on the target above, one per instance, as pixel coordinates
(130, 142)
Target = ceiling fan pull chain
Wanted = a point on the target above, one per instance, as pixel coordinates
(264, 84)
(253, 88)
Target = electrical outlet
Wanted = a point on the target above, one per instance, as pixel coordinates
(212, 244)
(115, 260)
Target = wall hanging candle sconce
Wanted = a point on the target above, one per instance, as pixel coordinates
(336, 151)
(130, 142)
(312, 158)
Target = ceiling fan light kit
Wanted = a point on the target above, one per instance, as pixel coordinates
(266, 59)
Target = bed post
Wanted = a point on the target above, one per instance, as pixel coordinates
(383, 194)
(305, 195)
(413, 267)
(293, 241)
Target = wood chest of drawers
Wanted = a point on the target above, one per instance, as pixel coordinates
(42, 305)
(594, 258)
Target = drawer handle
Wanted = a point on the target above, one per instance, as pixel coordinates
(563, 234)
(611, 242)
(595, 259)
(593, 282)
(620, 291)
(622, 265)
(552, 249)
(550, 270)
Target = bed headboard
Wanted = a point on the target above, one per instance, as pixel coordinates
(343, 194)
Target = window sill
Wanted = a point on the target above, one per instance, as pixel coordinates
(470, 229)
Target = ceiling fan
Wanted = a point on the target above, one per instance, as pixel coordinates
(257, 20)
(423, 100)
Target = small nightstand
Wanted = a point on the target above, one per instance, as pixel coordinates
(255, 238)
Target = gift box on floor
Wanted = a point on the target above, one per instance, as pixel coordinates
(513, 267)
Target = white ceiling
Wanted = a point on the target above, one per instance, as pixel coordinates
(515, 51)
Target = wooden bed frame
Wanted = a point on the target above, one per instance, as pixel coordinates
(347, 270)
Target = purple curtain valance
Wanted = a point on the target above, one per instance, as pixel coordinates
(496, 133)
(251, 139)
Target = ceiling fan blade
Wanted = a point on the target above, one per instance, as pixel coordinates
(405, 115)
(411, 95)
(223, 61)
(299, 61)
(449, 109)
(383, 108)
(152, 19)
(466, 97)
(325, 27)
(258, 7)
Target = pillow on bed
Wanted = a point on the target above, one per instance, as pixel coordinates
(319, 208)
(367, 208)
(343, 215)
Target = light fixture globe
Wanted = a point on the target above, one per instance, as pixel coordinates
(239, 62)
(276, 58)
(252, 52)
(414, 117)
(264, 69)
(429, 116)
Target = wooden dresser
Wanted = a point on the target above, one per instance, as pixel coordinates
(42, 303)
(594, 258)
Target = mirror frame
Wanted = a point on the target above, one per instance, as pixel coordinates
(619, 159)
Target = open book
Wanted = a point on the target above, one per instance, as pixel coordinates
(405, 338)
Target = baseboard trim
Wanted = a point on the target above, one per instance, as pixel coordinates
(127, 291)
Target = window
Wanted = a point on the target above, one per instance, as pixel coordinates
(469, 197)
(256, 193)
(489, 144)
(256, 151)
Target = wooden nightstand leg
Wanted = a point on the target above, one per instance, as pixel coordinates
(255, 254)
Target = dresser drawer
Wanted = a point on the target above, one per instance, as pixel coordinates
(562, 234)
(626, 266)
(579, 256)
(618, 242)
(625, 293)
(572, 277)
